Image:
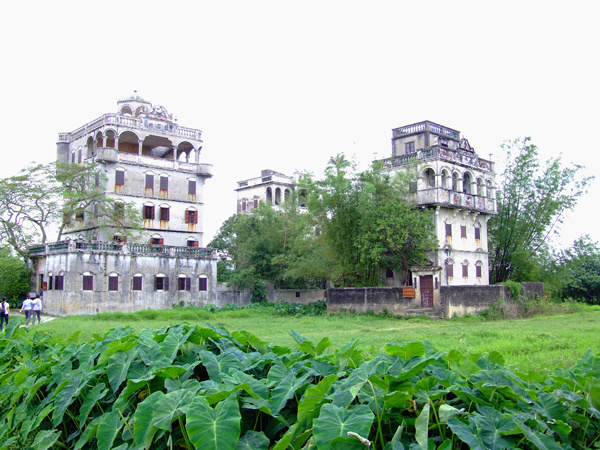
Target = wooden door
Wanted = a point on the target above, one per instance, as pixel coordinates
(426, 291)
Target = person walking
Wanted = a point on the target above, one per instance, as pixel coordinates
(36, 310)
(27, 306)
(4, 313)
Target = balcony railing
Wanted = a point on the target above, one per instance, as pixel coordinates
(124, 248)
(443, 153)
(446, 197)
(427, 126)
(132, 122)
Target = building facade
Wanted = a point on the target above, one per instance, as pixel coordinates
(458, 187)
(271, 187)
(154, 164)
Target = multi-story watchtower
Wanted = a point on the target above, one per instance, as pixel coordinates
(153, 163)
(459, 187)
(149, 160)
(271, 187)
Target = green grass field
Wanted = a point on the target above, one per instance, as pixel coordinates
(537, 344)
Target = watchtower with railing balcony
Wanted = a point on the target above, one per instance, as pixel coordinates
(458, 186)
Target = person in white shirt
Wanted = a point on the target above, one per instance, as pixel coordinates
(27, 307)
(4, 312)
(36, 309)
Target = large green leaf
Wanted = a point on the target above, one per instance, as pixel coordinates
(92, 397)
(143, 429)
(422, 427)
(253, 440)
(217, 365)
(313, 397)
(117, 367)
(170, 406)
(108, 429)
(116, 346)
(541, 441)
(45, 439)
(217, 428)
(334, 421)
(286, 389)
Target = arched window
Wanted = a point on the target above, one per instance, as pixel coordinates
(203, 283)
(148, 211)
(137, 282)
(467, 183)
(88, 281)
(157, 239)
(278, 196)
(465, 269)
(269, 196)
(192, 242)
(446, 179)
(191, 215)
(113, 281)
(450, 267)
(161, 282)
(183, 283)
(490, 189)
(429, 178)
(478, 270)
(480, 187)
(455, 181)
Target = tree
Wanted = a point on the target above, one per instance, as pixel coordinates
(532, 201)
(14, 276)
(44, 196)
(263, 246)
(581, 271)
(366, 223)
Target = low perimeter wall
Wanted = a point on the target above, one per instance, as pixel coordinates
(226, 295)
(454, 300)
(370, 299)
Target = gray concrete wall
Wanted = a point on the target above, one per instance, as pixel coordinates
(463, 300)
(302, 296)
(370, 299)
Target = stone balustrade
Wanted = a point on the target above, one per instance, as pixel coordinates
(124, 248)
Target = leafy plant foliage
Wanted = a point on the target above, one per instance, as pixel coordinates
(203, 387)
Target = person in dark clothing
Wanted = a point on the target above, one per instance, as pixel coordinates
(4, 313)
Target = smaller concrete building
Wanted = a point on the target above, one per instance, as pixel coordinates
(273, 188)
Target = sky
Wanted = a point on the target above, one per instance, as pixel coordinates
(286, 85)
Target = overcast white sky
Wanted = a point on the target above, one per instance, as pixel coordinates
(285, 85)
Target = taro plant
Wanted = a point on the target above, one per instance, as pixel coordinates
(203, 387)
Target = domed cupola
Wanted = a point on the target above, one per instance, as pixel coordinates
(134, 105)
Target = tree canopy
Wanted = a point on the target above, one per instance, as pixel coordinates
(355, 226)
(43, 196)
(532, 201)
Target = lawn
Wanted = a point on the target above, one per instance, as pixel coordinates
(537, 344)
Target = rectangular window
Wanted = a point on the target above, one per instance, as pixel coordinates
(120, 178)
(161, 283)
(97, 179)
(119, 238)
(164, 183)
(409, 147)
(478, 271)
(191, 216)
(184, 284)
(463, 231)
(88, 282)
(50, 283)
(477, 234)
(450, 270)
(255, 205)
(164, 214)
(149, 181)
(59, 282)
(465, 271)
(148, 212)
(192, 187)
(137, 283)
(203, 285)
(192, 243)
(449, 230)
(157, 241)
(113, 283)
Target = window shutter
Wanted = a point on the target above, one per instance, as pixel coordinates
(203, 285)
(465, 271)
(137, 283)
(113, 283)
(164, 183)
(478, 271)
(188, 284)
(149, 181)
(477, 233)
(450, 270)
(50, 283)
(155, 283)
(166, 283)
(192, 187)
(88, 283)
(195, 243)
(187, 216)
(449, 229)
(120, 177)
(463, 231)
